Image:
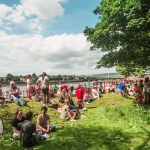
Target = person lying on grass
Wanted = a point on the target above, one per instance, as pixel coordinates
(43, 121)
(17, 123)
(66, 113)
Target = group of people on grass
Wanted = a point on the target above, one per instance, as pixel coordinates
(45, 92)
(29, 133)
(139, 89)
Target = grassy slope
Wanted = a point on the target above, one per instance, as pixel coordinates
(110, 123)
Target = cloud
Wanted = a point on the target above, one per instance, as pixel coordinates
(32, 14)
(66, 53)
(45, 9)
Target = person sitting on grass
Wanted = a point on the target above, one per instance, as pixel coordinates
(138, 93)
(74, 108)
(38, 95)
(43, 121)
(2, 99)
(64, 95)
(29, 136)
(17, 123)
(95, 92)
(14, 93)
(87, 97)
(66, 113)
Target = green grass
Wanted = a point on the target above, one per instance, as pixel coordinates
(111, 123)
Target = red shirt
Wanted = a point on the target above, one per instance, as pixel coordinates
(79, 92)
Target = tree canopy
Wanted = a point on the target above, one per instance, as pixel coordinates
(123, 31)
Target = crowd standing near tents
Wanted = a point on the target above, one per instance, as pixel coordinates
(29, 133)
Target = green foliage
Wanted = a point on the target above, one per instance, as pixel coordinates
(130, 70)
(16, 78)
(123, 31)
(9, 77)
(110, 123)
(58, 77)
(33, 75)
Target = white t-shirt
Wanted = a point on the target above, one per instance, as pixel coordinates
(29, 83)
(94, 91)
(146, 88)
(44, 82)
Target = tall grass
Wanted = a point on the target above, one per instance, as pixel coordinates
(112, 123)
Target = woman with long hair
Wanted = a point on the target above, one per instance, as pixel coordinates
(17, 124)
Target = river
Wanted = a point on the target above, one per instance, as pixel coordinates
(23, 88)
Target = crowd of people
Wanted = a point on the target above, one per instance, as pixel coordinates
(45, 92)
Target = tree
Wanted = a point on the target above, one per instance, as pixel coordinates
(1, 79)
(70, 77)
(16, 78)
(9, 77)
(123, 32)
(33, 75)
(130, 70)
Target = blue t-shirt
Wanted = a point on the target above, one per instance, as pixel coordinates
(121, 86)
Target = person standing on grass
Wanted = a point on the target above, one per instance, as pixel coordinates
(55, 89)
(79, 95)
(17, 124)
(29, 86)
(71, 88)
(44, 81)
(146, 90)
(43, 121)
(141, 85)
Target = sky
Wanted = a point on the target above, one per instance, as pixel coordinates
(47, 36)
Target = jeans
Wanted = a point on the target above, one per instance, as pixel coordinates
(18, 100)
(88, 100)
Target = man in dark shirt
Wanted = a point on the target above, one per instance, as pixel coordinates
(29, 136)
(141, 85)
